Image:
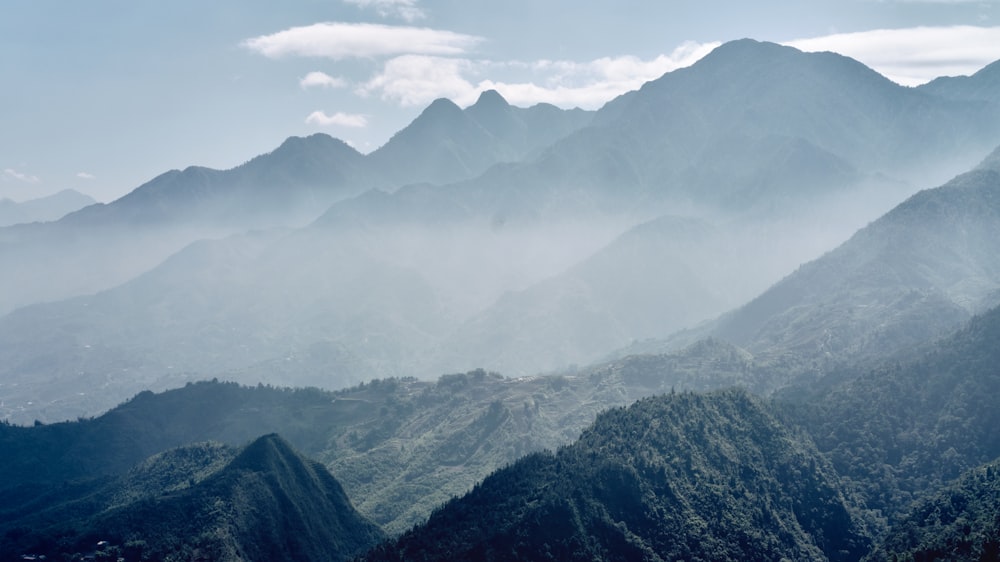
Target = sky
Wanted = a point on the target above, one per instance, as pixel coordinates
(103, 95)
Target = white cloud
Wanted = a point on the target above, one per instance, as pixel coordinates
(337, 120)
(405, 9)
(10, 173)
(321, 80)
(86, 176)
(359, 40)
(414, 80)
(913, 56)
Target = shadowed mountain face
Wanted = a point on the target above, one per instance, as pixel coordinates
(924, 422)
(712, 477)
(960, 523)
(263, 502)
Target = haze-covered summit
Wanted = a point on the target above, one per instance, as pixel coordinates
(756, 92)
(300, 177)
(42, 209)
(446, 143)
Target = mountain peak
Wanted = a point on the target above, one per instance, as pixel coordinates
(441, 106)
(266, 454)
(316, 141)
(491, 99)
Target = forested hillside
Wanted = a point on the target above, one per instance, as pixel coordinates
(200, 502)
(677, 477)
(903, 430)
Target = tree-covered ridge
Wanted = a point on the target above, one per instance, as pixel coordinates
(960, 523)
(399, 446)
(683, 476)
(262, 502)
(904, 430)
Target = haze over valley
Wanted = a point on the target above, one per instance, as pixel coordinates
(746, 309)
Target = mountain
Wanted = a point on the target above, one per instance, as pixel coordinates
(400, 447)
(43, 209)
(429, 278)
(658, 277)
(915, 273)
(960, 523)
(104, 245)
(983, 86)
(108, 244)
(263, 502)
(713, 477)
(295, 182)
(906, 429)
(747, 92)
(445, 143)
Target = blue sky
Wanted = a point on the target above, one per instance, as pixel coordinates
(101, 96)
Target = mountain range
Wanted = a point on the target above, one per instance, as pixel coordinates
(504, 251)
(791, 224)
(846, 471)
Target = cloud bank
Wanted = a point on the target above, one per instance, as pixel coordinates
(337, 120)
(915, 55)
(415, 80)
(338, 41)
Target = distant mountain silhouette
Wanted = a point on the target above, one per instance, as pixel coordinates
(983, 86)
(298, 179)
(43, 209)
(446, 144)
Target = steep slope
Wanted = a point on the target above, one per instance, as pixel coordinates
(920, 270)
(265, 503)
(43, 209)
(904, 430)
(983, 86)
(961, 523)
(595, 306)
(712, 477)
(658, 277)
